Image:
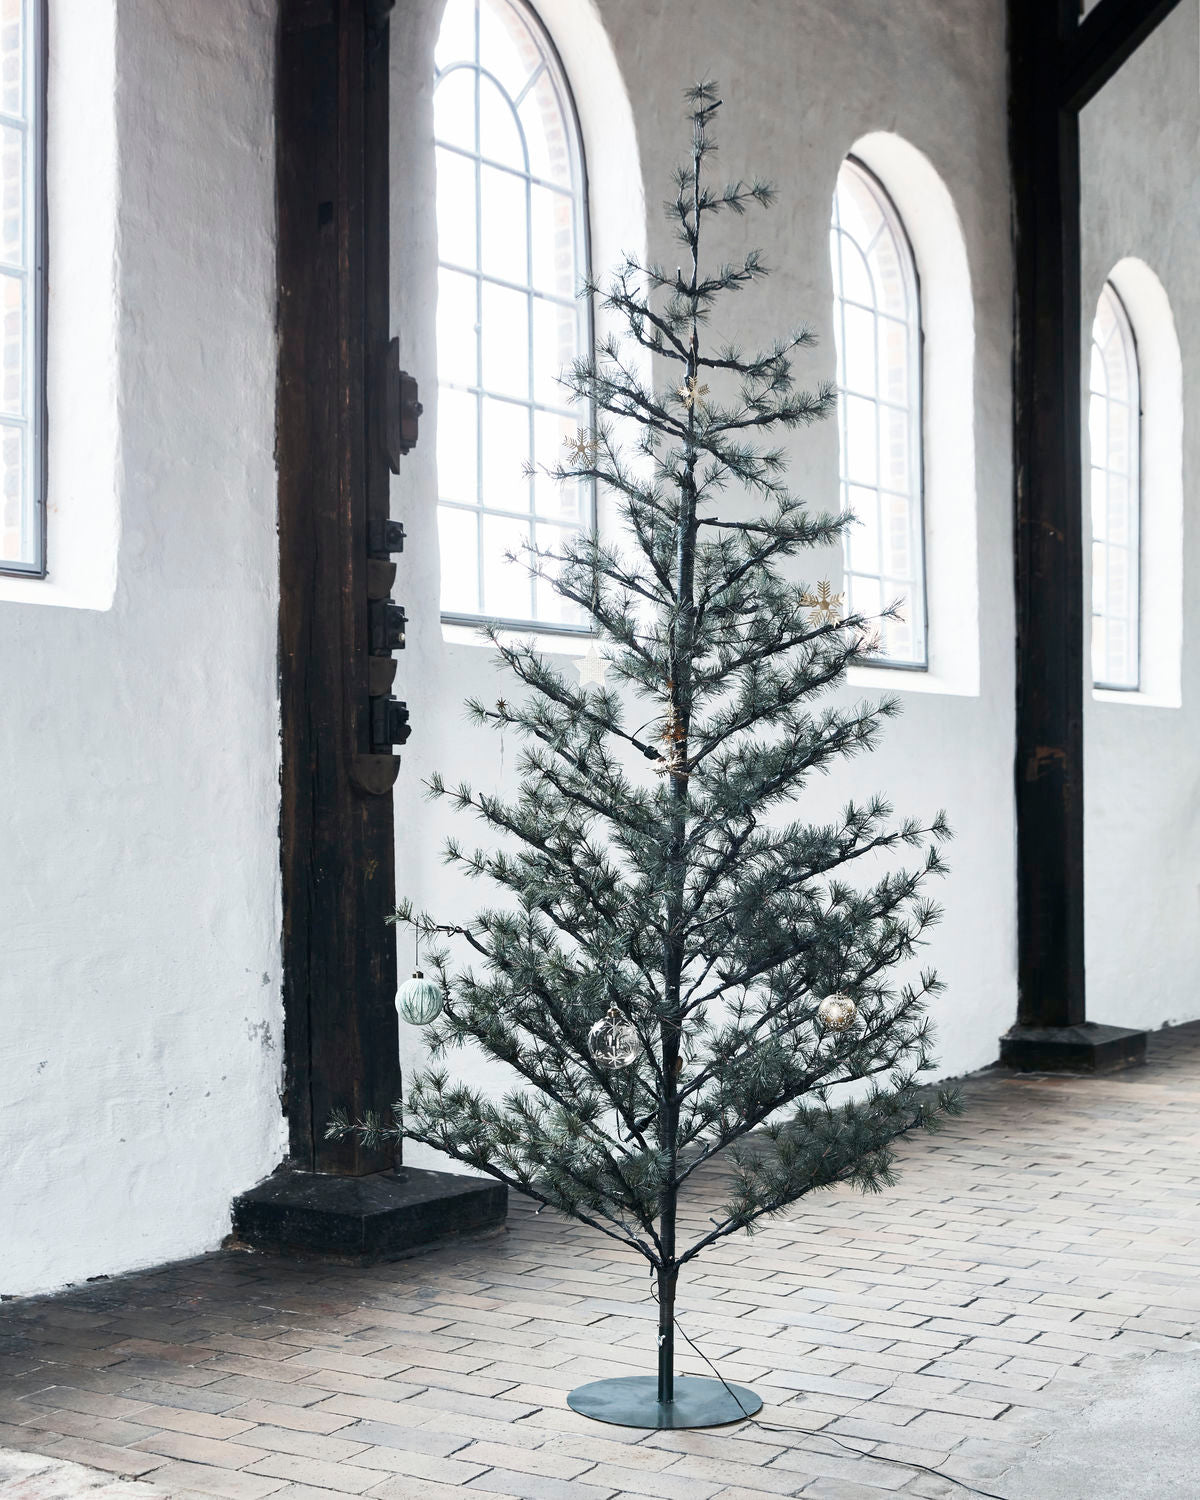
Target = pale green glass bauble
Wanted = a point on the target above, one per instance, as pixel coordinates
(419, 1000)
(837, 1012)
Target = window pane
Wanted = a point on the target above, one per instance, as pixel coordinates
(549, 132)
(501, 348)
(877, 328)
(551, 605)
(895, 460)
(555, 344)
(499, 133)
(864, 533)
(505, 455)
(22, 291)
(12, 57)
(14, 516)
(456, 345)
(459, 540)
(554, 265)
(507, 587)
(858, 358)
(861, 454)
(454, 107)
(857, 286)
(456, 38)
(507, 47)
(503, 209)
(557, 502)
(457, 438)
(12, 195)
(1115, 477)
(12, 346)
(456, 209)
(505, 321)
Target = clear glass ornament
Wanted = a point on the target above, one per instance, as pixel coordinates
(837, 1012)
(612, 1041)
(419, 1000)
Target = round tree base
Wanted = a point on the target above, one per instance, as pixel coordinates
(632, 1401)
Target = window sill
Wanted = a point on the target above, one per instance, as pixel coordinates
(910, 680)
(548, 642)
(1138, 698)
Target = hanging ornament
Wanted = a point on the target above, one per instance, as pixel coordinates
(672, 760)
(581, 447)
(612, 1041)
(837, 1012)
(591, 668)
(824, 607)
(419, 1000)
(692, 393)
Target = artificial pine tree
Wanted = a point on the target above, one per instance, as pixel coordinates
(659, 901)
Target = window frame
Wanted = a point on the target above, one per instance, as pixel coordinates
(552, 59)
(895, 222)
(36, 16)
(1136, 418)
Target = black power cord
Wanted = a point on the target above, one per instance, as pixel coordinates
(827, 1437)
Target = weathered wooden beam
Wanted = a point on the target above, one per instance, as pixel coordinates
(337, 840)
(1052, 1029)
(337, 433)
(1106, 37)
(1044, 152)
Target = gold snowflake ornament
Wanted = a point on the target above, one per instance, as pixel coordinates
(824, 607)
(692, 394)
(581, 447)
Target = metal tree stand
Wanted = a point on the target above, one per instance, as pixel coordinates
(646, 1401)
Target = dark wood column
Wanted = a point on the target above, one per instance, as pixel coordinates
(339, 961)
(345, 417)
(1055, 65)
(1044, 147)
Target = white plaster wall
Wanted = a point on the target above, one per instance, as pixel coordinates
(803, 82)
(139, 956)
(1140, 143)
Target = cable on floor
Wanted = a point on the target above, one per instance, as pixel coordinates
(828, 1437)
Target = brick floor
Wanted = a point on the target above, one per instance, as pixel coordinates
(1047, 1236)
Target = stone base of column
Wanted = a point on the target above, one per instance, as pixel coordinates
(383, 1216)
(1086, 1048)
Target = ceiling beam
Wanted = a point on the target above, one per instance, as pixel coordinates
(1107, 36)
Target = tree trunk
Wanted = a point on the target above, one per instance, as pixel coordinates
(667, 1278)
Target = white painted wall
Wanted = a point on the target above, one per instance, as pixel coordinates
(1140, 142)
(139, 986)
(139, 937)
(803, 83)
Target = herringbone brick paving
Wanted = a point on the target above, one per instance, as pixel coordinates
(1051, 1232)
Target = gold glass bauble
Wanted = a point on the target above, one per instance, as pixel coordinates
(837, 1012)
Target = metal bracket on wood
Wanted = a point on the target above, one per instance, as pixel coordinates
(402, 409)
(387, 717)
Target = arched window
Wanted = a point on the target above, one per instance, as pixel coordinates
(1114, 429)
(512, 250)
(877, 324)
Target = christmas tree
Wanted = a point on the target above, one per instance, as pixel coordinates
(679, 971)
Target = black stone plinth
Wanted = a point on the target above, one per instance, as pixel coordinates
(1086, 1048)
(383, 1216)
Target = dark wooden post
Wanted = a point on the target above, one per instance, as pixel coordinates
(1055, 65)
(340, 428)
(339, 960)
